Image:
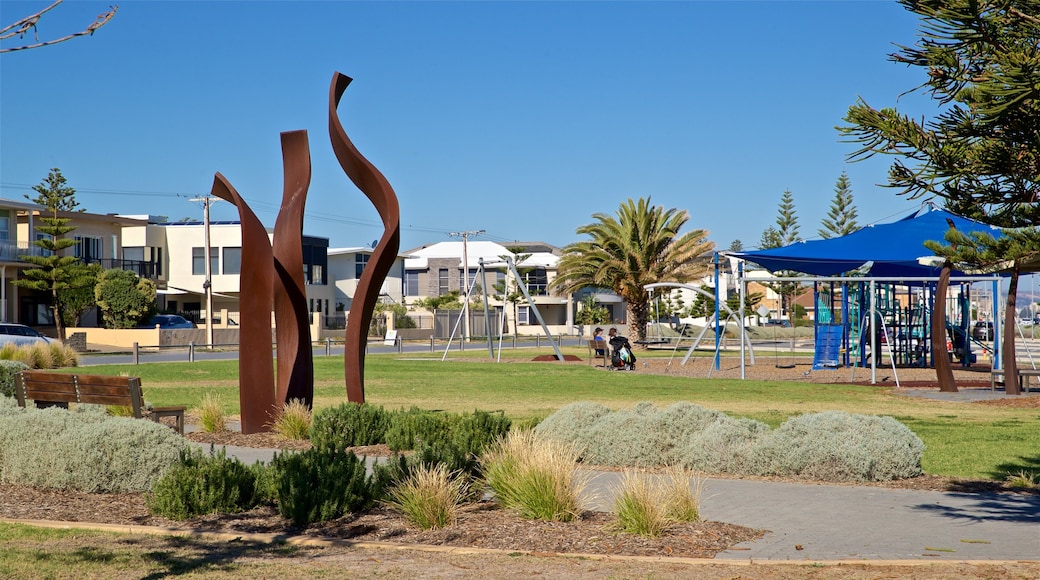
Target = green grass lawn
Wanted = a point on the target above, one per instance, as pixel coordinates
(962, 439)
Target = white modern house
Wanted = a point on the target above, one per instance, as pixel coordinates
(345, 268)
(437, 269)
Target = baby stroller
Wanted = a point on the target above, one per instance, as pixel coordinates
(621, 357)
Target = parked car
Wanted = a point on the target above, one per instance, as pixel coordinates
(982, 331)
(20, 335)
(168, 321)
(780, 323)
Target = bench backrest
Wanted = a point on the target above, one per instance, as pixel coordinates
(93, 389)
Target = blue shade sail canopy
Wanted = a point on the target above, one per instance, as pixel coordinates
(888, 250)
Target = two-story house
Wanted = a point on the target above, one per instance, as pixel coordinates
(179, 249)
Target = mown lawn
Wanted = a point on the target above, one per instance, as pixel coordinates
(963, 440)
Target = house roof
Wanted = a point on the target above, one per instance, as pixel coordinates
(489, 251)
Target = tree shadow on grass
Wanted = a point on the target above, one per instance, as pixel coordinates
(188, 554)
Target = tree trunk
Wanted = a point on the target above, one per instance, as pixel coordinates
(637, 314)
(1008, 340)
(943, 368)
(59, 325)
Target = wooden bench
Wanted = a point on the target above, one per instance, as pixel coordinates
(49, 389)
(603, 347)
(1023, 378)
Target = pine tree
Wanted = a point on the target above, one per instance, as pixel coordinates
(787, 220)
(980, 151)
(784, 233)
(841, 219)
(53, 272)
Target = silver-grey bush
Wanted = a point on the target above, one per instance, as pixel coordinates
(840, 446)
(571, 423)
(85, 450)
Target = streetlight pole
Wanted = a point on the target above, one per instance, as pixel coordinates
(207, 286)
(465, 276)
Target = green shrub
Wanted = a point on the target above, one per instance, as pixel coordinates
(407, 430)
(430, 497)
(294, 423)
(317, 485)
(571, 423)
(349, 425)
(85, 450)
(840, 446)
(535, 476)
(9, 369)
(204, 484)
(9, 351)
(474, 433)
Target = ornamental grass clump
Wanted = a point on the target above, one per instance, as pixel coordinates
(682, 494)
(430, 497)
(62, 355)
(295, 421)
(535, 476)
(639, 505)
(211, 415)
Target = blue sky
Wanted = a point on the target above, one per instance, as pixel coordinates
(519, 118)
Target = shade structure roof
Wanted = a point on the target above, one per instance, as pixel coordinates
(890, 249)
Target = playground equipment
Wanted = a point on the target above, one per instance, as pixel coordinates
(489, 332)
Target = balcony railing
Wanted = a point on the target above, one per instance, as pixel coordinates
(139, 267)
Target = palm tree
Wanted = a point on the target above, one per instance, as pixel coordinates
(640, 246)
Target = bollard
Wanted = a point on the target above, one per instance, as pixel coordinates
(400, 343)
(328, 346)
(191, 352)
(137, 359)
(432, 347)
(537, 341)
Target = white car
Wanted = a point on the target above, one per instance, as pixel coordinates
(20, 335)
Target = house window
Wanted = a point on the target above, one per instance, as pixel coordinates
(198, 262)
(232, 261)
(464, 284)
(5, 225)
(316, 274)
(87, 248)
(359, 264)
(523, 315)
(442, 281)
(43, 251)
(411, 283)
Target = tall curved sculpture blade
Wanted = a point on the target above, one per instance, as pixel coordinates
(372, 183)
(255, 369)
(295, 379)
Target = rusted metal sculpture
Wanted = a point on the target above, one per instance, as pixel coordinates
(295, 379)
(256, 393)
(372, 183)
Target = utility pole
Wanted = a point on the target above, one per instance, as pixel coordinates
(207, 286)
(465, 276)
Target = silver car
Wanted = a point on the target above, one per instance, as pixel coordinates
(20, 335)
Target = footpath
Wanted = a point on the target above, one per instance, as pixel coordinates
(835, 522)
